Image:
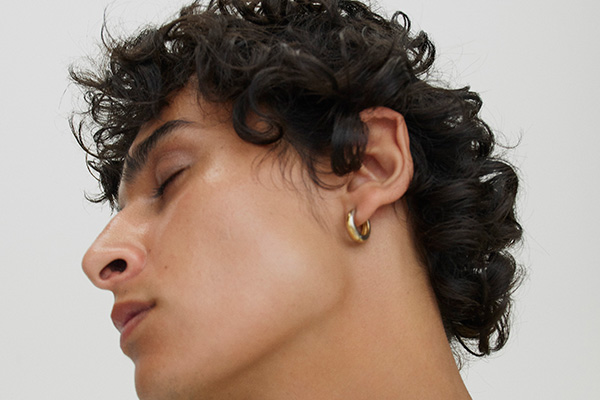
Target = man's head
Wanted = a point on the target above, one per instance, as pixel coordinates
(263, 121)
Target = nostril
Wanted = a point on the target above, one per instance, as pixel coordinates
(118, 265)
(115, 266)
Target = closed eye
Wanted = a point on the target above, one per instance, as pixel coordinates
(160, 190)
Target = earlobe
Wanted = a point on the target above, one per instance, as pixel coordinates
(387, 167)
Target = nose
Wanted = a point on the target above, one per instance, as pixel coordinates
(117, 254)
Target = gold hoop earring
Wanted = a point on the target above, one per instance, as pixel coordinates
(365, 229)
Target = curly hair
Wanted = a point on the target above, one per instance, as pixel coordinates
(307, 68)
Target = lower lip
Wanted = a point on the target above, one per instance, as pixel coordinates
(131, 325)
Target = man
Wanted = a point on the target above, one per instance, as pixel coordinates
(250, 148)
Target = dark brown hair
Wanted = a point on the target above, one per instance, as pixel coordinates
(307, 68)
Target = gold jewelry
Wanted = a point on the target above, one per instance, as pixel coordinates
(365, 229)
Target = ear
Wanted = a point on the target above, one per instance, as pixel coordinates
(387, 167)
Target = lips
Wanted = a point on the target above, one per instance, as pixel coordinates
(127, 314)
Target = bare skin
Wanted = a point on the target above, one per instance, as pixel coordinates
(256, 289)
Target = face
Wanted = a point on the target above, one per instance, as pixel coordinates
(217, 259)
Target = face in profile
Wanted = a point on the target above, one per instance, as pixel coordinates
(220, 258)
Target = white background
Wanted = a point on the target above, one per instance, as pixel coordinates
(536, 64)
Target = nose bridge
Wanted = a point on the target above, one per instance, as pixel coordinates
(118, 253)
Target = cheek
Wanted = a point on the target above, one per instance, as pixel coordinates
(248, 270)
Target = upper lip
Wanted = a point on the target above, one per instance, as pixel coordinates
(125, 311)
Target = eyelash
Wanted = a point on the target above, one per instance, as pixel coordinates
(160, 190)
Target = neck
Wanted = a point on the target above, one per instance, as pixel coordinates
(385, 340)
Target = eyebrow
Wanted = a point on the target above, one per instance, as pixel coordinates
(135, 162)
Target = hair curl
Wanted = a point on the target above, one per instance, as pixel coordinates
(307, 68)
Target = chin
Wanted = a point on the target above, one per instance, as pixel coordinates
(154, 380)
(154, 385)
(175, 377)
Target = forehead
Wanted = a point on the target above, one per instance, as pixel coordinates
(186, 105)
